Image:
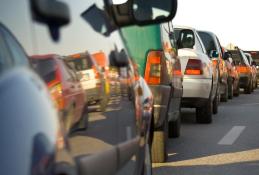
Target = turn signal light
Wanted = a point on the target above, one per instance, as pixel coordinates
(194, 67)
(153, 67)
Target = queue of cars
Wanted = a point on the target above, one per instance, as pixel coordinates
(140, 80)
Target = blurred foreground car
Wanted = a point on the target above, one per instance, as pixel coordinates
(244, 69)
(37, 145)
(65, 89)
(91, 78)
(119, 138)
(199, 83)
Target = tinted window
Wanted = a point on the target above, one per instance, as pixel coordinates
(235, 55)
(46, 68)
(199, 45)
(207, 41)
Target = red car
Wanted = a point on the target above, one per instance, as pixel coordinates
(65, 89)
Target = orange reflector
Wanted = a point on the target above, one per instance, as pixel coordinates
(215, 62)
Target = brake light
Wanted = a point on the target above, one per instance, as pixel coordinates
(56, 94)
(243, 69)
(194, 67)
(153, 67)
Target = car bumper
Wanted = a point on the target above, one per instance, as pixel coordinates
(161, 94)
(193, 102)
(196, 88)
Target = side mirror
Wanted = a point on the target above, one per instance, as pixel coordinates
(119, 59)
(214, 54)
(51, 12)
(226, 55)
(120, 13)
(142, 12)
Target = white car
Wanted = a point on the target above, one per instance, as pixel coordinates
(199, 90)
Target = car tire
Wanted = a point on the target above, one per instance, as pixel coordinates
(159, 144)
(174, 127)
(204, 114)
(237, 90)
(224, 97)
(83, 123)
(230, 89)
(248, 88)
(215, 103)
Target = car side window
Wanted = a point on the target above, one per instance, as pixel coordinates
(199, 45)
(19, 56)
(6, 61)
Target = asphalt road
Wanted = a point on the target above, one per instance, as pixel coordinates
(228, 146)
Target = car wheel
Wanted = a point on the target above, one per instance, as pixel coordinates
(215, 104)
(204, 114)
(174, 127)
(159, 148)
(224, 97)
(248, 88)
(230, 89)
(67, 120)
(237, 90)
(83, 123)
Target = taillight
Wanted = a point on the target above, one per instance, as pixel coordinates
(56, 94)
(194, 67)
(243, 69)
(153, 67)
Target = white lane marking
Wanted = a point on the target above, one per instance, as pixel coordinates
(128, 133)
(232, 135)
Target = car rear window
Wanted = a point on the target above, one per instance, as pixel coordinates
(46, 68)
(79, 64)
(207, 41)
(236, 56)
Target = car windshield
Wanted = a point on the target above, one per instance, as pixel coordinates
(46, 68)
(80, 64)
(236, 56)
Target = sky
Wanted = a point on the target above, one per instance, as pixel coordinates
(233, 21)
